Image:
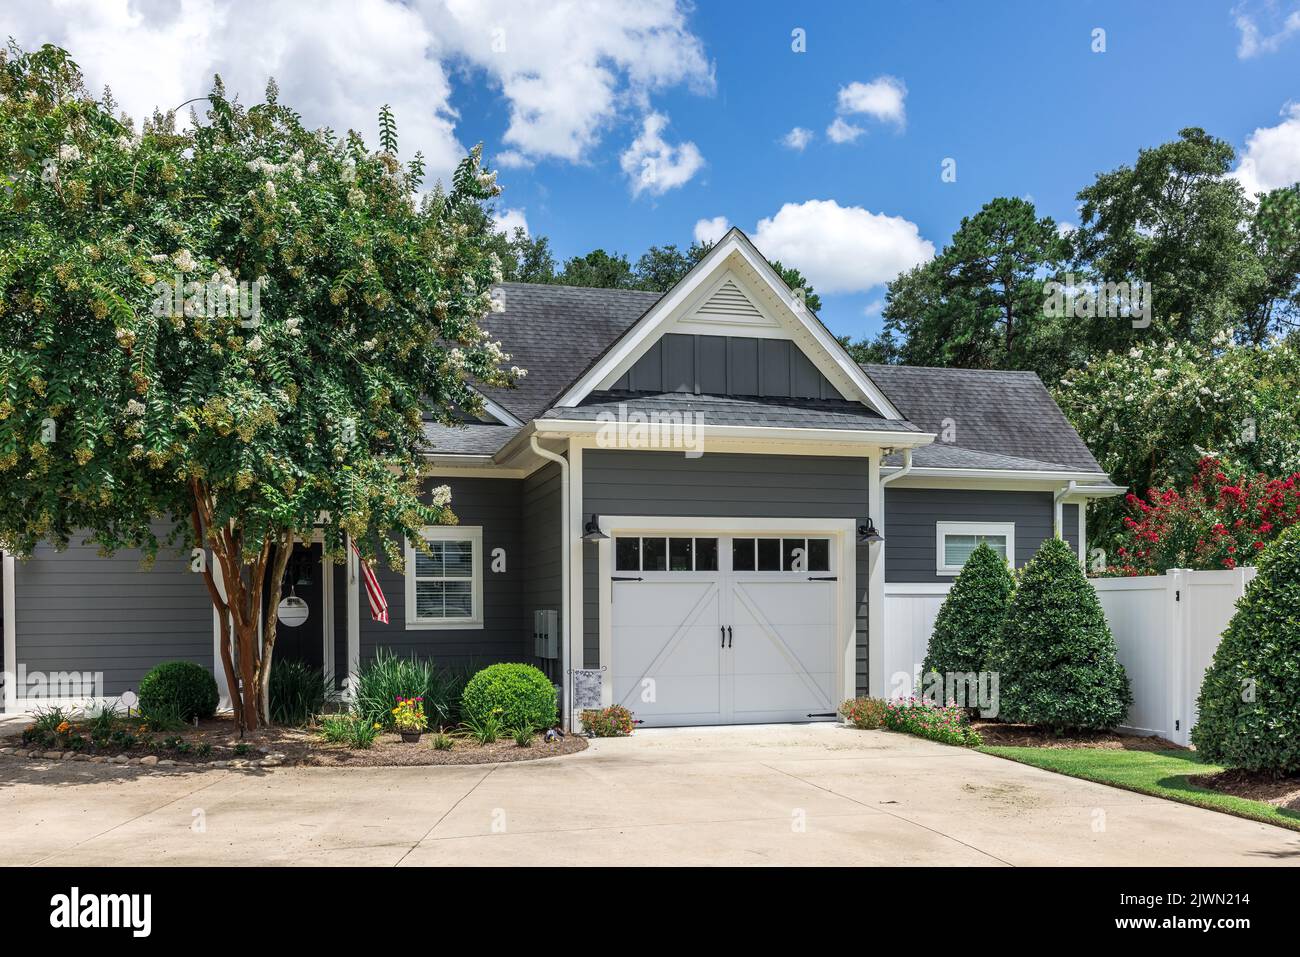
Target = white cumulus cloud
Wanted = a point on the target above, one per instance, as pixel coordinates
(1271, 158)
(567, 72)
(797, 138)
(883, 99)
(841, 248)
(655, 165)
(711, 230)
(508, 220)
(1254, 40)
(841, 132)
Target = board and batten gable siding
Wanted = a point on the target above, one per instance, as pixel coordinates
(727, 365)
(912, 514)
(496, 506)
(719, 485)
(79, 611)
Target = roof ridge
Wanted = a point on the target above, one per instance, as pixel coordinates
(561, 285)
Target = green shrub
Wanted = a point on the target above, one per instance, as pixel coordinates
(525, 696)
(441, 742)
(386, 678)
(947, 724)
(523, 736)
(971, 615)
(1054, 654)
(178, 689)
(484, 729)
(863, 713)
(350, 729)
(297, 692)
(612, 722)
(1250, 697)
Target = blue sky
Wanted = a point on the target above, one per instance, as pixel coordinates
(562, 93)
(1012, 92)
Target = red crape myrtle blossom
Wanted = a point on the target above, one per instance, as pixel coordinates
(1219, 521)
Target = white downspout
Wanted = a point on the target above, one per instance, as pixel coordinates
(566, 679)
(886, 479)
(1058, 515)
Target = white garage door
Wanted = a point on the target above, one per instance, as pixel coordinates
(724, 630)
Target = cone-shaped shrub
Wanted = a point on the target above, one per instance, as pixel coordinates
(971, 614)
(1055, 655)
(1250, 697)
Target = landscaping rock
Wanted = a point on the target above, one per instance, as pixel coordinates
(53, 755)
(81, 757)
(166, 763)
(99, 759)
(150, 760)
(119, 759)
(221, 764)
(6, 750)
(67, 755)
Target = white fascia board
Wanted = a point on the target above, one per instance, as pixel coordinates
(642, 335)
(498, 411)
(559, 428)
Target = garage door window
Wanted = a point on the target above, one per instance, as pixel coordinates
(781, 554)
(667, 554)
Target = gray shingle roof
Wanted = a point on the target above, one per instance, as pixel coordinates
(555, 332)
(472, 438)
(729, 410)
(1003, 413)
(940, 456)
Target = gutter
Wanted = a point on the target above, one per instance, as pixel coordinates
(907, 467)
(566, 561)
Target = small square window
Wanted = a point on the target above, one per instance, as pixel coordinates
(627, 554)
(819, 554)
(654, 554)
(444, 585)
(742, 554)
(769, 554)
(680, 557)
(957, 540)
(706, 554)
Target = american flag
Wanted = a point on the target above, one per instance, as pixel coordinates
(375, 594)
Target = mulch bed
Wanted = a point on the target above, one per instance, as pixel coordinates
(1281, 792)
(1027, 736)
(295, 746)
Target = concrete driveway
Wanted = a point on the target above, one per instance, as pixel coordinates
(798, 795)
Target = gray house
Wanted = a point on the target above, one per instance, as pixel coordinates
(692, 505)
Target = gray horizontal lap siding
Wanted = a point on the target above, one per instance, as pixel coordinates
(911, 517)
(78, 611)
(668, 484)
(543, 537)
(494, 505)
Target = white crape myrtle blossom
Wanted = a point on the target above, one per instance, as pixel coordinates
(255, 344)
(184, 261)
(441, 495)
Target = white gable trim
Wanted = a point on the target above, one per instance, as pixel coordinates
(733, 252)
(725, 308)
(499, 412)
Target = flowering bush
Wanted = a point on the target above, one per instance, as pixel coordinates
(612, 722)
(408, 716)
(948, 723)
(864, 713)
(1219, 521)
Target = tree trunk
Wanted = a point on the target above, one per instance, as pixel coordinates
(283, 549)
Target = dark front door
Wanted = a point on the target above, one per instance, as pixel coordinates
(303, 579)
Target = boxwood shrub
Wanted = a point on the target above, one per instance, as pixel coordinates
(178, 689)
(1250, 697)
(1054, 655)
(525, 697)
(971, 615)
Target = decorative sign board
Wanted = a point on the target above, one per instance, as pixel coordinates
(292, 612)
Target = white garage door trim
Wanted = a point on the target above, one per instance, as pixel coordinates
(843, 535)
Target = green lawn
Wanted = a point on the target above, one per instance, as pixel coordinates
(1159, 773)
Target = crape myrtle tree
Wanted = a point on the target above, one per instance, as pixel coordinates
(226, 337)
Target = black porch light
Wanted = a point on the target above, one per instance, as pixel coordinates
(867, 534)
(591, 531)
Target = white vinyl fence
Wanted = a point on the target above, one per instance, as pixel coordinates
(1166, 628)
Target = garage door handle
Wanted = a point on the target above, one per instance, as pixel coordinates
(619, 578)
(825, 578)
(723, 629)
(728, 636)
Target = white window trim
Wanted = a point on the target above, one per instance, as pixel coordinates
(433, 533)
(944, 529)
